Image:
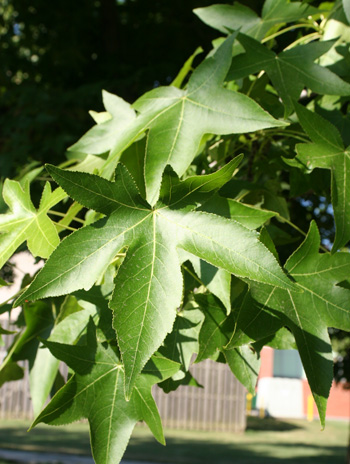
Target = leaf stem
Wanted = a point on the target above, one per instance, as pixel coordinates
(117, 256)
(305, 39)
(67, 163)
(64, 227)
(13, 296)
(9, 354)
(193, 275)
(291, 28)
(261, 73)
(283, 132)
(57, 213)
(291, 224)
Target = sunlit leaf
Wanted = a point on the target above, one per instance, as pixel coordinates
(148, 286)
(25, 223)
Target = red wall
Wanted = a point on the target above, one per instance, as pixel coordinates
(266, 369)
(338, 405)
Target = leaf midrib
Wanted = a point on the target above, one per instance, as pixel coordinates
(98, 194)
(89, 256)
(71, 380)
(210, 239)
(127, 384)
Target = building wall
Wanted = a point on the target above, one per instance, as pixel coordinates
(283, 390)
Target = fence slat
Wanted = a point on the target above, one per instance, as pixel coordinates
(219, 406)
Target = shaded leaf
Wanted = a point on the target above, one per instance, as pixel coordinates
(44, 368)
(290, 71)
(11, 372)
(247, 215)
(227, 18)
(244, 362)
(216, 329)
(96, 392)
(181, 344)
(215, 334)
(38, 320)
(328, 152)
(322, 304)
(217, 281)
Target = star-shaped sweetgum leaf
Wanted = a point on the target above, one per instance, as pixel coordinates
(181, 344)
(322, 304)
(148, 285)
(215, 333)
(328, 152)
(96, 392)
(176, 121)
(232, 17)
(290, 71)
(25, 223)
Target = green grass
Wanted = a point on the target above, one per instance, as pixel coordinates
(266, 441)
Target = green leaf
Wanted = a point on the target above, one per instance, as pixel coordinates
(101, 138)
(195, 190)
(215, 334)
(177, 119)
(253, 320)
(148, 286)
(247, 215)
(170, 384)
(290, 71)
(227, 18)
(328, 152)
(225, 244)
(245, 364)
(96, 392)
(216, 329)
(38, 319)
(322, 304)
(25, 223)
(6, 332)
(133, 159)
(90, 163)
(11, 372)
(346, 6)
(217, 281)
(182, 343)
(186, 69)
(283, 339)
(45, 366)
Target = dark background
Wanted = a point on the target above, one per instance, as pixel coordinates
(57, 57)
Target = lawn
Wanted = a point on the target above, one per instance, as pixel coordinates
(267, 441)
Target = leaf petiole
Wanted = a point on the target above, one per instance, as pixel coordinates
(291, 28)
(57, 213)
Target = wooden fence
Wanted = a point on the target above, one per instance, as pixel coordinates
(220, 405)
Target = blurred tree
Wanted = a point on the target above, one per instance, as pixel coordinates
(55, 61)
